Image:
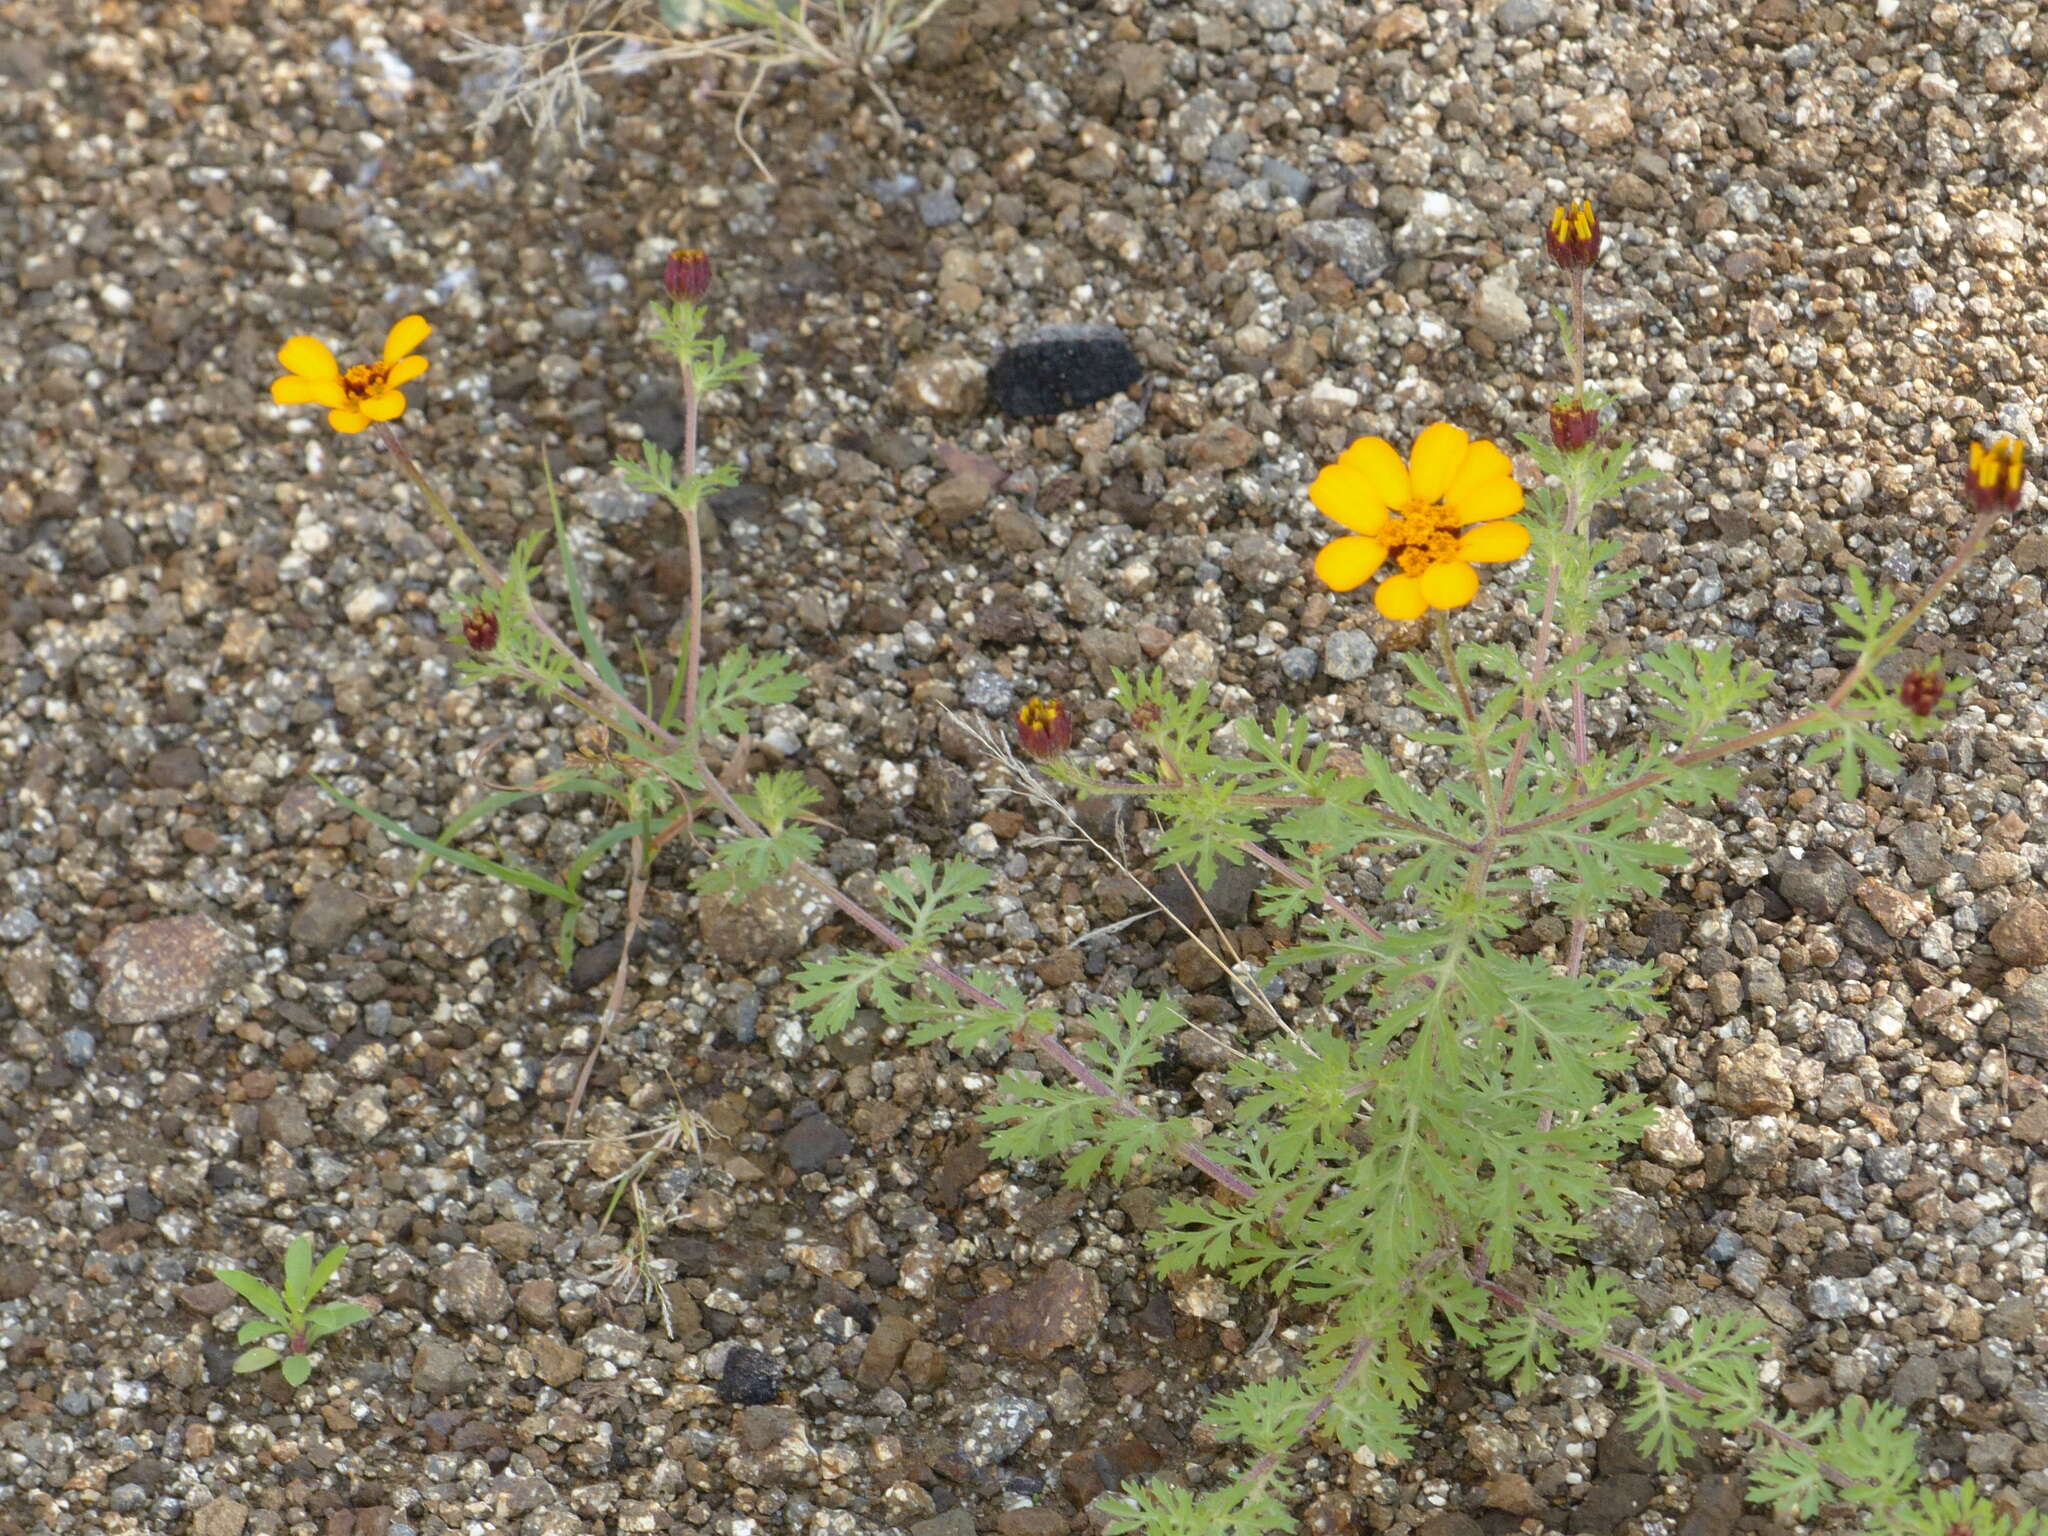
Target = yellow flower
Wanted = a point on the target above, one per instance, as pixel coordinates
(365, 393)
(1434, 517)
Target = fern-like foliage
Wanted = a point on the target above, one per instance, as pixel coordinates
(925, 900)
(747, 862)
(1092, 1131)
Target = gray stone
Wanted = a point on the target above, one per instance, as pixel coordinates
(939, 208)
(1833, 1299)
(165, 968)
(773, 923)
(813, 1142)
(468, 919)
(1515, 17)
(1191, 659)
(1498, 308)
(1350, 654)
(283, 1120)
(988, 691)
(469, 1286)
(328, 915)
(954, 1522)
(999, 1427)
(1286, 180)
(1355, 245)
(1817, 885)
(439, 1369)
(1298, 663)
(1915, 1382)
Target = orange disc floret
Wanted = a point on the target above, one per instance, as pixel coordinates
(1997, 472)
(1432, 519)
(359, 395)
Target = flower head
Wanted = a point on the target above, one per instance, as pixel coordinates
(1573, 238)
(1997, 471)
(1921, 691)
(480, 629)
(365, 393)
(1573, 424)
(1044, 728)
(1433, 517)
(688, 273)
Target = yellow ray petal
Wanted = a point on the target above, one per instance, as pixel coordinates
(348, 421)
(1346, 563)
(293, 390)
(1381, 464)
(1484, 463)
(1494, 499)
(1345, 496)
(405, 335)
(388, 406)
(1494, 543)
(1435, 459)
(404, 371)
(308, 359)
(1452, 584)
(1400, 597)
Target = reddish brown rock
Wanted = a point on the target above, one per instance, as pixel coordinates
(1062, 1308)
(165, 968)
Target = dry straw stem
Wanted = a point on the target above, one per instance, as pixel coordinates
(546, 77)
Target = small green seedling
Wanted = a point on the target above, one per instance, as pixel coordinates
(293, 1314)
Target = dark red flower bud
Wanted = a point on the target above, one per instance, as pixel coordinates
(1573, 238)
(480, 629)
(688, 274)
(1044, 728)
(1997, 471)
(1573, 424)
(1921, 691)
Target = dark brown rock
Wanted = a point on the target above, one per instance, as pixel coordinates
(892, 1337)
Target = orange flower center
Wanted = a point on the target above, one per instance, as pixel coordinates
(365, 381)
(1421, 535)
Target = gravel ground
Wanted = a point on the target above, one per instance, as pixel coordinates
(227, 1020)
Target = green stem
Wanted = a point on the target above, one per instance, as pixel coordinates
(1492, 793)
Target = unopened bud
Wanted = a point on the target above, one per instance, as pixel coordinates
(1573, 424)
(688, 274)
(480, 629)
(1044, 728)
(1921, 691)
(1997, 471)
(1573, 238)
